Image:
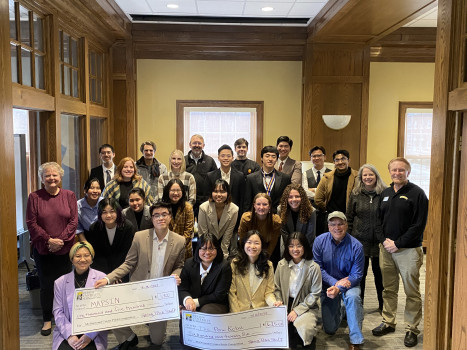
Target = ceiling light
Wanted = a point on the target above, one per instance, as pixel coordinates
(267, 9)
(172, 6)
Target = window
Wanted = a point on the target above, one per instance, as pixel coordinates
(415, 129)
(220, 122)
(98, 138)
(27, 47)
(69, 65)
(71, 153)
(95, 77)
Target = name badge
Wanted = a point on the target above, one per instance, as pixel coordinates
(385, 199)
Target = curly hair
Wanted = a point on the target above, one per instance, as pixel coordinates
(242, 262)
(118, 173)
(305, 210)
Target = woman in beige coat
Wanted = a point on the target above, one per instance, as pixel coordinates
(298, 285)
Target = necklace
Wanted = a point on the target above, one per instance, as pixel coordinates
(80, 284)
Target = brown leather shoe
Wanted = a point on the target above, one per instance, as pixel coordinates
(354, 347)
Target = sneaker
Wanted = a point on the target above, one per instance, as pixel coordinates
(382, 329)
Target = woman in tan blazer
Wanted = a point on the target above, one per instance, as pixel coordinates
(218, 215)
(298, 285)
(252, 276)
(182, 212)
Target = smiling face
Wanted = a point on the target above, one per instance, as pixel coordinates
(219, 195)
(161, 219)
(338, 229)
(269, 160)
(109, 217)
(94, 191)
(82, 260)
(176, 162)
(296, 250)
(253, 247)
(318, 158)
(148, 152)
(399, 173)
(107, 155)
(225, 158)
(207, 254)
(368, 179)
(294, 200)
(128, 170)
(261, 206)
(196, 145)
(51, 179)
(175, 193)
(341, 162)
(136, 202)
(284, 149)
(241, 151)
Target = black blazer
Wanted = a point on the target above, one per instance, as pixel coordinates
(255, 185)
(237, 186)
(98, 172)
(109, 257)
(216, 285)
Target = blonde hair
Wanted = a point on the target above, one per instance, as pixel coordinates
(179, 153)
(400, 159)
(118, 174)
(48, 165)
(80, 245)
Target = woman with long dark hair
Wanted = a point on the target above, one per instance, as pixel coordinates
(182, 212)
(111, 236)
(252, 268)
(87, 207)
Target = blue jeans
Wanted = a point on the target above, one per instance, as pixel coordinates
(333, 312)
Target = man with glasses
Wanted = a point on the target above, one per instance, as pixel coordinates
(334, 188)
(154, 253)
(105, 172)
(341, 260)
(312, 177)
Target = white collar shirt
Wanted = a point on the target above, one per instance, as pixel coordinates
(159, 248)
(295, 274)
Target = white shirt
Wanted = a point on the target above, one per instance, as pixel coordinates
(111, 234)
(296, 271)
(158, 254)
(278, 163)
(112, 173)
(226, 176)
(202, 273)
(309, 193)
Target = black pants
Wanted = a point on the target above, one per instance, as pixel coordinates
(65, 346)
(378, 279)
(49, 268)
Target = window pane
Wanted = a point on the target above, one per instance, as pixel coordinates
(11, 5)
(66, 80)
(61, 79)
(74, 53)
(38, 37)
(66, 45)
(99, 66)
(92, 63)
(97, 138)
(71, 152)
(26, 67)
(99, 91)
(92, 89)
(39, 71)
(14, 64)
(24, 25)
(75, 83)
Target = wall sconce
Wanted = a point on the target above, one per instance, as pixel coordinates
(336, 121)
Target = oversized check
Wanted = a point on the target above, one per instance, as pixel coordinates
(264, 328)
(125, 304)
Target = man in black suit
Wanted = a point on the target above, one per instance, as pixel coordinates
(242, 163)
(226, 172)
(268, 180)
(105, 172)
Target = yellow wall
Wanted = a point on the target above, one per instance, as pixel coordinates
(391, 83)
(161, 82)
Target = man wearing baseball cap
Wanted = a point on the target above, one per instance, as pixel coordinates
(341, 259)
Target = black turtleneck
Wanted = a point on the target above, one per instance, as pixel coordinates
(80, 280)
(339, 192)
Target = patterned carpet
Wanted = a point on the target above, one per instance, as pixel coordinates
(31, 322)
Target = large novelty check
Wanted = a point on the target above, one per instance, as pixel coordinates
(264, 328)
(125, 304)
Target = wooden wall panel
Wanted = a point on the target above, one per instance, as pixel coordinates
(9, 304)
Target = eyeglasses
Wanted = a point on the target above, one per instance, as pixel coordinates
(340, 160)
(175, 191)
(159, 216)
(340, 224)
(314, 156)
(210, 249)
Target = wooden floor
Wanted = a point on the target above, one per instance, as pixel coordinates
(31, 322)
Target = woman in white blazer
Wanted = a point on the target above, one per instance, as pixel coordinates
(218, 215)
(298, 284)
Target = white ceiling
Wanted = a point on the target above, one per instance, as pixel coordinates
(244, 8)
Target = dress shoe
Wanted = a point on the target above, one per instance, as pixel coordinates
(127, 344)
(410, 339)
(382, 329)
(46, 332)
(354, 347)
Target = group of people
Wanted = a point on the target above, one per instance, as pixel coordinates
(267, 235)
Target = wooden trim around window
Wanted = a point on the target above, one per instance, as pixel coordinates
(403, 106)
(258, 105)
